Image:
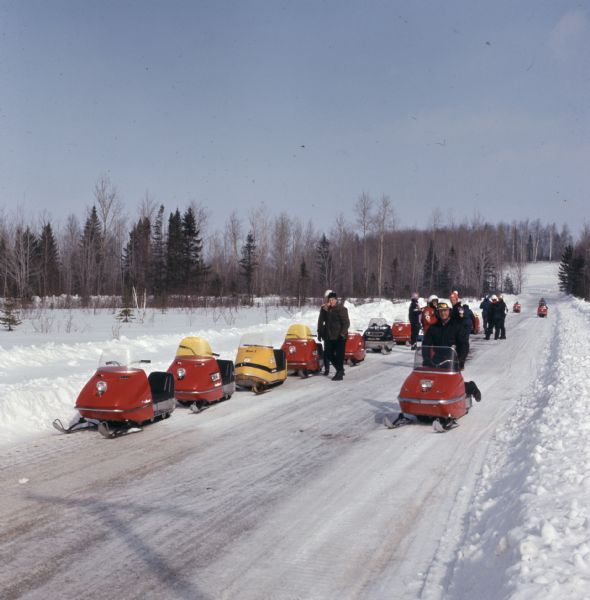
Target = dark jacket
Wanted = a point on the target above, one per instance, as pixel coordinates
(322, 322)
(337, 322)
(500, 310)
(467, 318)
(457, 313)
(414, 312)
(485, 306)
(449, 334)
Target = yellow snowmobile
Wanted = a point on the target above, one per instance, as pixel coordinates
(258, 365)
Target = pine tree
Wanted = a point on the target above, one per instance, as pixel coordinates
(158, 257)
(91, 246)
(192, 247)
(136, 255)
(577, 276)
(248, 263)
(174, 254)
(508, 287)
(302, 282)
(324, 261)
(126, 314)
(431, 273)
(8, 315)
(49, 262)
(394, 275)
(565, 269)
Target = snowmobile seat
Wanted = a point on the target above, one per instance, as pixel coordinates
(226, 368)
(280, 359)
(161, 386)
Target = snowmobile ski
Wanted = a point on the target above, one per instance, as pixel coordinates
(79, 425)
(398, 422)
(108, 433)
(198, 407)
(444, 425)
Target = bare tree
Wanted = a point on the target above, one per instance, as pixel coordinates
(383, 222)
(363, 211)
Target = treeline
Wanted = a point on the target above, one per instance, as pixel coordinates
(175, 260)
(574, 269)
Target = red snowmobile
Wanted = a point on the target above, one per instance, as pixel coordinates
(434, 391)
(304, 354)
(354, 348)
(402, 332)
(542, 310)
(120, 396)
(199, 377)
(516, 307)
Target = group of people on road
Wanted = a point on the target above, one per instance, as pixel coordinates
(459, 315)
(493, 314)
(443, 324)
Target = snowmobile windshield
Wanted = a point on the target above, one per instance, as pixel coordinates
(377, 323)
(120, 358)
(256, 339)
(439, 358)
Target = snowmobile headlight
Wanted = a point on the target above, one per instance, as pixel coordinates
(215, 376)
(101, 387)
(425, 384)
(180, 373)
(292, 350)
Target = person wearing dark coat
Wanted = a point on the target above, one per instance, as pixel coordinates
(500, 311)
(450, 334)
(491, 316)
(335, 333)
(485, 311)
(322, 330)
(414, 313)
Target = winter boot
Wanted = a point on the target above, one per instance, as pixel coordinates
(339, 376)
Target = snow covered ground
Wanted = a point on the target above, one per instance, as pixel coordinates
(300, 492)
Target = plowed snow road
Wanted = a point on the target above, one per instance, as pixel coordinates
(298, 493)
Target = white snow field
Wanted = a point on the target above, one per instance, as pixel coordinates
(302, 492)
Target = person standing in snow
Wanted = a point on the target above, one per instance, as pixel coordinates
(491, 316)
(337, 324)
(451, 334)
(322, 330)
(485, 311)
(414, 313)
(500, 311)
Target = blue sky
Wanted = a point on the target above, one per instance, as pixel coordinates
(467, 107)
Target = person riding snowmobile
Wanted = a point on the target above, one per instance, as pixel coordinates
(450, 334)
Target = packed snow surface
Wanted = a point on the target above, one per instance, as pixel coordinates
(300, 492)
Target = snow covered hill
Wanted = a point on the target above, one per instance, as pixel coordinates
(301, 492)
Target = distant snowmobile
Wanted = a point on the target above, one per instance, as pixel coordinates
(378, 336)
